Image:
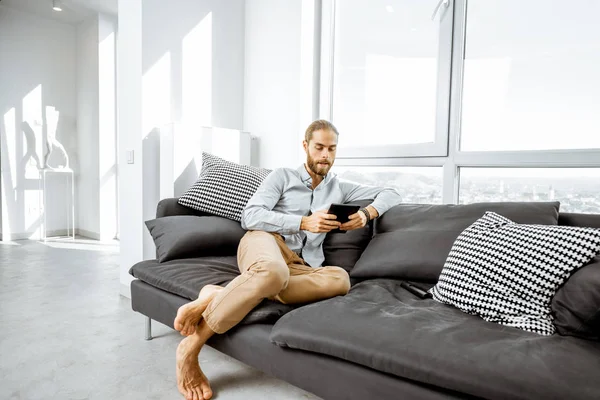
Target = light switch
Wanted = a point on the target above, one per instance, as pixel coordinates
(129, 156)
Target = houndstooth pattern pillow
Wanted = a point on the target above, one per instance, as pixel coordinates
(508, 273)
(223, 187)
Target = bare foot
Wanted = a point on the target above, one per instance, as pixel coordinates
(191, 382)
(190, 314)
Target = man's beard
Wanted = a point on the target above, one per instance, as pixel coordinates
(314, 166)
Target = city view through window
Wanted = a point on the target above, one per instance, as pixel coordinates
(421, 185)
(577, 189)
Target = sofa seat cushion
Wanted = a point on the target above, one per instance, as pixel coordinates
(382, 326)
(187, 277)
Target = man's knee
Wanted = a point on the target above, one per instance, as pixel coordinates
(275, 276)
(340, 280)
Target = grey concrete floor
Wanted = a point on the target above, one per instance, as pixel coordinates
(66, 333)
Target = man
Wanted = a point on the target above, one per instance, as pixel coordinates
(280, 256)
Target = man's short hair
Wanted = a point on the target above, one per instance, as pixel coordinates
(318, 125)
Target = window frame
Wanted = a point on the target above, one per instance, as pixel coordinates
(437, 148)
(452, 159)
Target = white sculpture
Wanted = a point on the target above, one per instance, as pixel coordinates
(51, 142)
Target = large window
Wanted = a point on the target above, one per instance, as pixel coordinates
(415, 184)
(531, 78)
(577, 189)
(390, 77)
(483, 100)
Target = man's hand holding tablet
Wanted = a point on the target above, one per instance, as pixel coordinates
(348, 216)
(338, 218)
(319, 222)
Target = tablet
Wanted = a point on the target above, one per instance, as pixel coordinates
(342, 212)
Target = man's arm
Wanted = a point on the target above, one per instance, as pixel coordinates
(384, 198)
(258, 213)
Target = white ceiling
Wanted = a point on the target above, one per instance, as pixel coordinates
(74, 11)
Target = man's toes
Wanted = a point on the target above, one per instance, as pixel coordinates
(206, 391)
(191, 329)
(197, 393)
(178, 324)
(189, 395)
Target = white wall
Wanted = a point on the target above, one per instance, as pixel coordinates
(193, 70)
(37, 70)
(97, 197)
(184, 65)
(129, 125)
(274, 80)
(107, 128)
(88, 97)
(235, 64)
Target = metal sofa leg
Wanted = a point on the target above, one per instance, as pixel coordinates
(148, 328)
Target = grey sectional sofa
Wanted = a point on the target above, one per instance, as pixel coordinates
(381, 341)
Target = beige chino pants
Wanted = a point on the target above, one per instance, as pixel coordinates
(269, 269)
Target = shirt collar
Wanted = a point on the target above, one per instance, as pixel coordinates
(305, 176)
(307, 179)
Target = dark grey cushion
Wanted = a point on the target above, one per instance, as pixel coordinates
(578, 219)
(382, 326)
(170, 206)
(344, 249)
(310, 371)
(187, 277)
(413, 241)
(576, 305)
(185, 236)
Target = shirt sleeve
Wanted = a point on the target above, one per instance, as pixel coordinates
(258, 213)
(383, 198)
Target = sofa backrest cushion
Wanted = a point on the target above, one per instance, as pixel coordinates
(170, 206)
(579, 219)
(576, 305)
(344, 249)
(412, 241)
(187, 236)
(223, 187)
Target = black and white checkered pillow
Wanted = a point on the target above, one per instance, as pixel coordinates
(508, 273)
(223, 187)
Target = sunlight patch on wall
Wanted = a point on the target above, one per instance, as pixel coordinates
(156, 95)
(197, 60)
(10, 129)
(9, 168)
(186, 143)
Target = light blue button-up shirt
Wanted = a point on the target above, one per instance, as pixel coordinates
(285, 196)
